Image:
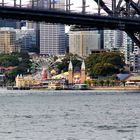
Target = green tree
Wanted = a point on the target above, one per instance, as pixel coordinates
(107, 82)
(101, 82)
(88, 82)
(112, 83)
(63, 66)
(104, 64)
(94, 82)
(21, 62)
(123, 82)
(8, 60)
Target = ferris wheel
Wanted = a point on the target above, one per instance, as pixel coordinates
(40, 63)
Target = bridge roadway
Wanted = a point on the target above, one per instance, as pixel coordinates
(63, 17)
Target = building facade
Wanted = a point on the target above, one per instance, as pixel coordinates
(128, 48)
(26, 39)
(76, 78)
(52, 39)
(7, 40)
(113, 39)
(10, 23)
(83, 42)
(135, 60)
(52, 36)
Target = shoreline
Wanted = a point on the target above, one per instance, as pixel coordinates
(117, 88)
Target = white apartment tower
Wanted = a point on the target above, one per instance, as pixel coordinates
(113, 39)
(135, 59)
(128, 47)
(52, 36)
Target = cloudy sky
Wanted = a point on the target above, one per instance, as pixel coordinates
(76, 4)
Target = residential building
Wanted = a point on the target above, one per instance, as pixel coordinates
(135, 59)
(10, 23)
(52, 36)
(128, 48)
(113, 39)
(83, 42)
(7, 40)
(26, 39)
(52, 39)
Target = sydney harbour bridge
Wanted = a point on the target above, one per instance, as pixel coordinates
(103, 14)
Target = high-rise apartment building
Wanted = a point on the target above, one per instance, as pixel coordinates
(52, 36)
(135, 60)
(83, 42)
(52, 39)
(7, 40)
(128, 47)
(113, 39)
(10, 23)
(26, 39)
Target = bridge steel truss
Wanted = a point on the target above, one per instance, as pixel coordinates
(122, 15)
(123, 8)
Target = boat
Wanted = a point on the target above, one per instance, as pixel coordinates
(55, 86)
(80, 87)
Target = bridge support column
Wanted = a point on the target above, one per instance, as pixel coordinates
(32, 3)
(49, 4)
(99, 7)
(68, 4)
(15, 3)
(20, 5)
(114, 7)
(53, 4)
(2, 3)
(128, 8)
(83, 6)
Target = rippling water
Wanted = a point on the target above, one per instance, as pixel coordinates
(69, 115)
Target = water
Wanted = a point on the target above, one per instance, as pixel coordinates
(69, 115)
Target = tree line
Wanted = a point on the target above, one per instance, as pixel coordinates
(20, 61)
(104, 64)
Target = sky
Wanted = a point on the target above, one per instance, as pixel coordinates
(76, 3)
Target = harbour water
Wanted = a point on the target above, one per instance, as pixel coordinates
(69, 115)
